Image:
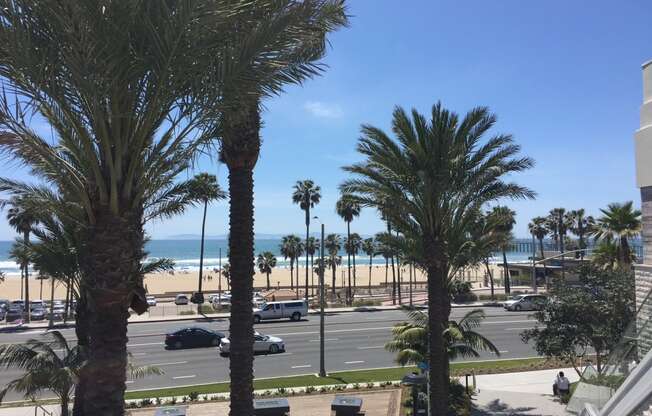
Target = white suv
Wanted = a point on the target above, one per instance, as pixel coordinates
(293, 309)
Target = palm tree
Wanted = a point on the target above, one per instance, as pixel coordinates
(47, 370)
(266, 262)
(437, 173)
(504, 220)
(311, 246)
(307, 195)
(271, 45)
(557, 217)
(292, 248)
(384, 251)
(347, 209)
(352, 247)
(485, 239)
(204, 188)
(538, 229)
(119, 94)
(619, 223)
(581, 225)
(370, 249)
(22, 219)
(333, 244)
(410, 339)
(226, 272)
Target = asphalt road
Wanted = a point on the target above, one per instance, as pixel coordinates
(353, 341)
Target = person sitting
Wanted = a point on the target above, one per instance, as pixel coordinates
(561, 386)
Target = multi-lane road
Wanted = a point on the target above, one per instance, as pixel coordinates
(353, 341)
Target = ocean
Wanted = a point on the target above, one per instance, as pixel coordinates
(185, 253)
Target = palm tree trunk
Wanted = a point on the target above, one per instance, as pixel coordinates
(355, 278)
(411, 283)
(491, 278)
(307, 237)
(40, 295)
(82, 317)
(201, 252)
(508, 285)
(27, 305)
(267, 280)
(348, 263)
(625, 251)
(112, 259)
(543, 256)
(438, 316)
(65, 402)
(561, 250)
(312, 273)
(291, 273)
(398, 280)
(241, 254)
(386, 271)
(333, 267)
(51, 320)
(371, 258)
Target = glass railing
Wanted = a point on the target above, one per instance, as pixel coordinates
(597, 387)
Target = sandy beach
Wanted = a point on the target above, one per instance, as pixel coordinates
(186, 281)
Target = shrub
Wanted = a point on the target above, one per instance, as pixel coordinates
(145, 402)
(367, 302)
(323, 389)
(206, 308)
(193, 396)
(187, 312)
(356, 386)
(370, 385)
(158, 400)
(310, 389)
(184, 399)
(173, 401)
(282, 390)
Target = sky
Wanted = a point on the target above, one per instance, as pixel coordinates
(564, 77)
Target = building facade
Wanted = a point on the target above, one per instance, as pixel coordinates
(643, 139)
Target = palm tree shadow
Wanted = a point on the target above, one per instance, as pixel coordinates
(498, 407)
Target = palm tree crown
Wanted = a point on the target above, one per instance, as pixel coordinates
(619, 223)
(306, 194)
(266, 261)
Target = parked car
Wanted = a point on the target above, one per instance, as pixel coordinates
(3, 312)
(151, 300)
(5, 304)
(58, 312)
(14, 313)
(37, 304)
(18, 303)
(37, 314)
(293, 309)
(525, 303)
(192, 338)
(262, 343)
(181, 299)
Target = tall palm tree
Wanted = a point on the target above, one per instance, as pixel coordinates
(204, 188)
(121, 93)
(384, 251)
(266, 261)
(291, 248)
(504, 220)
(410, 339)
(619, 223)
(22, 219)
(438, 173)
(352, 246)
(348, 209)
(312, 245)
(581, 225)
(485, 239)
(273, 43)
(307, 195)
(539, 230)
(370, 249)
(333, 245)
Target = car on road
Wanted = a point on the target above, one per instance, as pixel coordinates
(181, 299)
(193, 337)
(293, 309)
(58, 312)
(525, 303)
(151, 300)
(37, 304)
(262, 344)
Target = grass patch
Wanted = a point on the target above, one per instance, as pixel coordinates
(351, 377)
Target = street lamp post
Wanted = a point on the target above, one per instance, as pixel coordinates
(322, 365)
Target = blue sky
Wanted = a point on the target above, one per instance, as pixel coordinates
(562, 76)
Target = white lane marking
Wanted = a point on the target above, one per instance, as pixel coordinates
(337, 331)
(138, 354)
(508, 322)
(375, 347)
(180, 377)
(174, 363)
(129, 382)
(302, 366)
(353, 362)
(503, 352)
(145, 344)
(517, 329)
(325, 339)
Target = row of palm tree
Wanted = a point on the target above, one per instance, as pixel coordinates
(613, 230)
(132, 91)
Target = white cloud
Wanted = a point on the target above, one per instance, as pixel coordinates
(323, 110)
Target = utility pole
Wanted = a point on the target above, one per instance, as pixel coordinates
(534, 267)
(322, 367)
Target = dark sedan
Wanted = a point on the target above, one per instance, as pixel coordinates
(15, 314)
(193, 338)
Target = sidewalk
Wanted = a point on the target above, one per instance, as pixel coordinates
(525, 393)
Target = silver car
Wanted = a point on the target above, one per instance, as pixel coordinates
(262, 343)
(525, 303)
